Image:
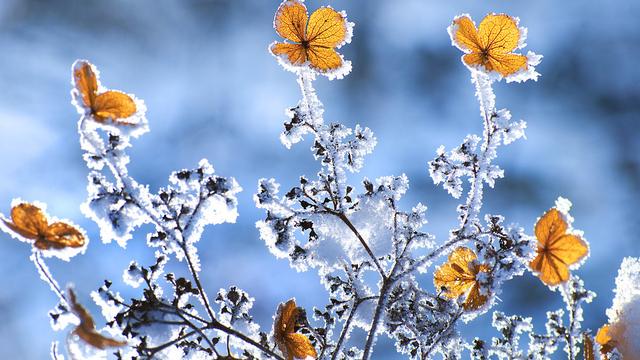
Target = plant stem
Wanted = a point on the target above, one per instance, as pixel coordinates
(44, 270)
(347, 325)
(355, 231)
(219, 326)
(128, 188)
(382, 300)
(571, 305)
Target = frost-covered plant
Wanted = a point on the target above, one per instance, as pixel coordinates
(373, 257)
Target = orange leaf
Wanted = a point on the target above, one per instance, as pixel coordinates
(291, 344)
(30, 222)
(113, 105)
(87, 329)
(61, 235)
(295, 53)
(291, 21)
(557, 249)
(314, 38)
(491, 44)
(458, 277)
(326, 28)
(607, 344)
(324, 58)
(108, 105)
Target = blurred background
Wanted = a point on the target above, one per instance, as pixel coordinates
(212, 90)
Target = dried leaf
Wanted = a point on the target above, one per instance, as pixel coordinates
(459, 277)
(557, 249)
(30, 222)
(291, 344)
(87, 328)
(314, 38)
(108, 105)
(607, 344)
(491, 44)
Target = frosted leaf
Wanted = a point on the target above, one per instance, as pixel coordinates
(134, 125)
(308, 66)
(527, 72)
(65, 253)
(530, 72)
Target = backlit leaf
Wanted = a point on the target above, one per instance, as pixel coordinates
(314, 38)
(491, 44)
(291, 344)
(458, 277)
(557, 249)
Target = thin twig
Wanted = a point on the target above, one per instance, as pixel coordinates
(572, 310)
(368, 346)
(219, 326)
(355, 231)
(124, 180)
(442, 333)
(347, 324)
(44, 270)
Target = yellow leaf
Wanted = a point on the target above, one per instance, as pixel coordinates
(113, 105)
(291, 344)
(491, 44)
(557, 250)
(108, 105)
(87, 328)
(607, 344)
(326, 28)
(291, 21)
(458, 277)
(295, 53)
(324, 58)
(30, 222)
(314, 38)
